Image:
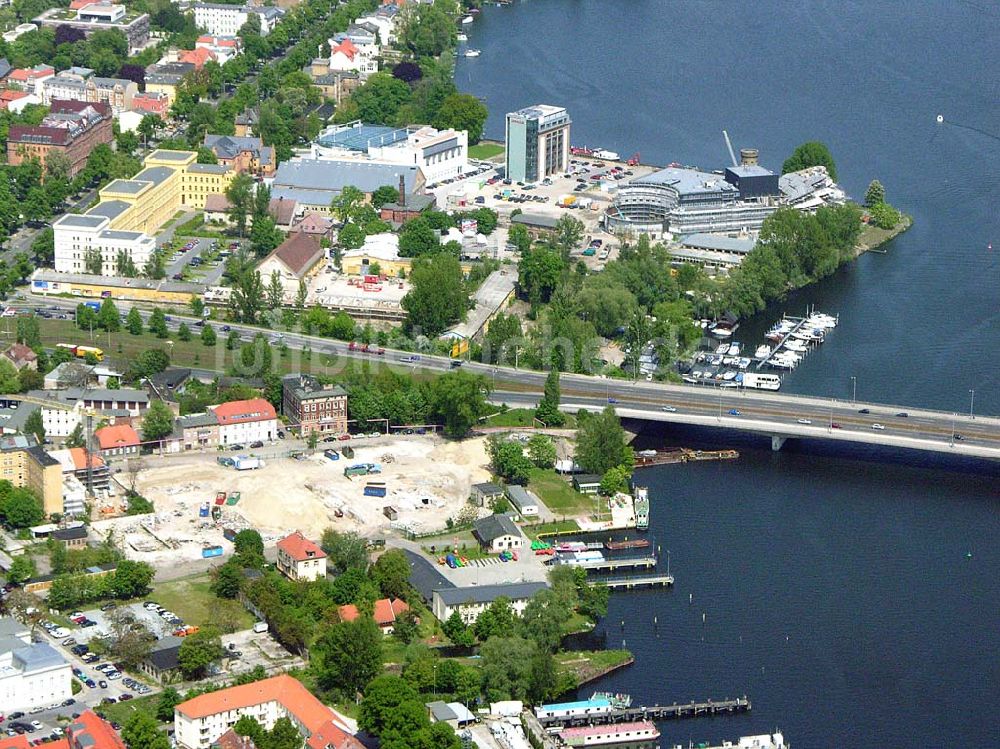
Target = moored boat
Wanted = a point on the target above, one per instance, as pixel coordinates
(621, 733)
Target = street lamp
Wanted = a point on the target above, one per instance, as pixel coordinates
(972, 402)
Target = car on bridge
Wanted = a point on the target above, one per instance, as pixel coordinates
(612, 399)
(804, 421)
(734, 412)
(879, 427)
(669, 409)
(834, 425)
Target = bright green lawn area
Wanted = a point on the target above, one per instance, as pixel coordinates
(485, 150)
(558, 494)
(122, 711)
(559, 526)
(515, 417)
(192, 600)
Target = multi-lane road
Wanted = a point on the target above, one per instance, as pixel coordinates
(778, 415)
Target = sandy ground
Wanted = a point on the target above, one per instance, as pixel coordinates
(428, 480)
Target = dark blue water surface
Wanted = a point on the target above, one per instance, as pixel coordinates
(834, 582)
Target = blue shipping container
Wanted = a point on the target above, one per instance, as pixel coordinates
(374, 491)
(212, 551)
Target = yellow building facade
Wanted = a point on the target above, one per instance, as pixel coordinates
(30, 467)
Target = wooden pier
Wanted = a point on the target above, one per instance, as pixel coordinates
(639, 581)
(614, 564)
(656, 712)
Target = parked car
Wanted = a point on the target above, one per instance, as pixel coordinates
(257, 444)
(734, 412)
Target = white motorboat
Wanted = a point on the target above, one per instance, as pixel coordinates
(462, 38)
(734, 349)
(472, 53)
(722, 349)
(762, 352)
(467, 19)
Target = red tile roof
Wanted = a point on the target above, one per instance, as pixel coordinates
(244, 412)
(300, 548)
(121, 435)
(79, 456)
(387, 610)
(330, 736)
(232, 740)
(14, 742)
(299, 253)
(288, 692)
(91, 732)
(18, 352)
(349, 612)
(347, 48)
(197, 57)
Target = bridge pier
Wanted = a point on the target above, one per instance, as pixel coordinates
(777, 442)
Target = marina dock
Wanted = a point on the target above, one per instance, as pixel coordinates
(639, 581)
(656, 712)
(683, 455)
(647, 562)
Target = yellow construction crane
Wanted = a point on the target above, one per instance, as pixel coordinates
(88, 414)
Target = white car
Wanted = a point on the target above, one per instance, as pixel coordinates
(804, 421)
(669, 409)
(112, 675)
(879, 427)
(36, 724)
(60, 632)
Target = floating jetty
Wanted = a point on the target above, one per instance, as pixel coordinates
(683, 455)
(638, 581)
(591, 713)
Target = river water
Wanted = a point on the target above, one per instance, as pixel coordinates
(835, 582)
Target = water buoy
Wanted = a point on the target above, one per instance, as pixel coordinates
(940, 118)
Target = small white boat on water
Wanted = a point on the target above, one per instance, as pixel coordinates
(472, 53)
(462, 38)
(762, 352)
(467, 19)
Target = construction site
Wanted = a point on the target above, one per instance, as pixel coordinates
(414, 483)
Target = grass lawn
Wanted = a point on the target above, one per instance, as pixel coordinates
(485, 150)
(468, 546)
(191, 599)
(120, 712)
(587, 665)
(548, 529)
(558, 494)
(515, 417)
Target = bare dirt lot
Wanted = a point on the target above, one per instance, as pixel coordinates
(427, 480)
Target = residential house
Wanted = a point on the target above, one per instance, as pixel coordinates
(484, 495)
(31, 674)
(76, 473)
(246, 122)
(387, 611)
(21, 356)
(69, 374)
(227, 20)
(335, 85)
(30, 80)
(25, 463)
(72, 128)
(498, 533)
(473, 600)
(198, 431)
(223, 47)
(71, 538)
(587, 483)
(283, 212)
(197, 56)
(524, 501)
(152, 102)
(200, 721)
(246, 421)
(166, 78)
(217, 207)
(247, 154)
(120, 440)
(313, 407)
(15, 101)
(346, 55)
(90, 731)
(117, 93)
(294, 260)
(301, 559)
(315, 225)
(162, 664)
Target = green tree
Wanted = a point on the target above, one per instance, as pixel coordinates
(463, 112)
(249, 548)
(208, 337)
(183, 332)
(20, 508)
(384, 194)
(226, 579)
(506, 667)
(76, 438)
(417, 238)
(568, 233)
(539, 272)
(428, 32)
(615, 480)
(519, 237)
(34, 426)
(247, 299)
(284, 735)
(438, 296)
(21, 569)
(345, 549)
(346, 204)
(131, 579)
(149, 362)
(158, 422)
(240, 196)
(456, 630)
(29, 332)
(884, 216)
(542, 451)
(8, 376)
(248, 726)
(548, 407)
(158, 323)
(507, 459)
(198, 652)
(93, 262)
(391, 573)
(459, 399)
(349, 656)
(169, 699)
(875, 194)
(86, 318)
(601, 443)
(275, 291)
(503, 333)
(133, 322)
(264, 235)
(382, 699)
(142, 732)
(125, 266)
(812, 153)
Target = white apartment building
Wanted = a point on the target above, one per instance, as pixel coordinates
(75, 234)
(470, 602)
(31, 675)
(440, 154)
(247, 421)
(384, 19)
(227, 20)
(346, 56)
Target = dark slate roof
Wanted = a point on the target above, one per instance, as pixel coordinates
(69, 534)
(495, 526)
(424, 576)
(163, 654)
(587, 478)
(488, 488)
(489, 593)
(171, 377)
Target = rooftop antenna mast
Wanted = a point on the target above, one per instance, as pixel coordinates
(729, 145)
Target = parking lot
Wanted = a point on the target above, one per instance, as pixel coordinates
(199, 260)
(155, 623)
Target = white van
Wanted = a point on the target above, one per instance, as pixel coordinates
(260, 627)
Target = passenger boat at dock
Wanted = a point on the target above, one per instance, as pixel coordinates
(631, 543)
(641, 508)
(620, 733)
